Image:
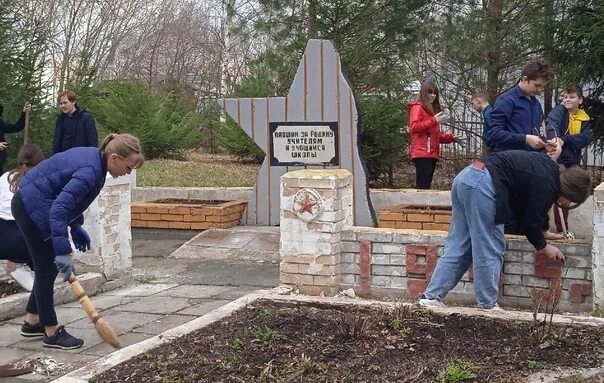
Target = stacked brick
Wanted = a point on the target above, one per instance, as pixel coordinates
(402, 264)
(187, 216)
(415, 217)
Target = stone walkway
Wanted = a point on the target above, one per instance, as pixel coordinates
(167, 292)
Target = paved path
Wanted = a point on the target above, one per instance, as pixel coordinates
(167, 292)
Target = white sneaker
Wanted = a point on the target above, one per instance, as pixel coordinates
(427, 302)
(24, 277)
(492, 309)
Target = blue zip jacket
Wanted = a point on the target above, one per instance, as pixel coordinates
(557, 125)
(56, 192)
(486, 125)
(514, 116)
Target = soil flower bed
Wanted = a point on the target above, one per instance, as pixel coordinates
(275, 343)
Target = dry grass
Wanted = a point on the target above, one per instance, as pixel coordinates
(198, 170)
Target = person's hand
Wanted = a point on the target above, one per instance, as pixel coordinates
(64, 263)
(461, 141)
(26, 107)
(554, 148)
(552, 252)
(80, 237)
(534, 142)
(442, 117)
(3, 145)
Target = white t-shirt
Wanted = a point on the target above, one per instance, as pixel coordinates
(6, 196)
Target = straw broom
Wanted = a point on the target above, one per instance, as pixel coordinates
(103, 328)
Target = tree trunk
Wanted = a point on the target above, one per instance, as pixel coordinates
(312, 20)
(494, 53)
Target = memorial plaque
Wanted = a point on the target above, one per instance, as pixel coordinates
(304, 143)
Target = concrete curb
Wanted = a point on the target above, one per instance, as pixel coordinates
(106, 363)
(14, 305)
(278, 295)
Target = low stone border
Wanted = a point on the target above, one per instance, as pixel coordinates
(195, 216)
(13, 306)
(418, 217)
(278, 295)
(106, 363)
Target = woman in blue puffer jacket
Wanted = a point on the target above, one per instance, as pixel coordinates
(52, 197)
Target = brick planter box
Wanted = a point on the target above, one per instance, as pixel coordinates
(187, 214)
(416, 217)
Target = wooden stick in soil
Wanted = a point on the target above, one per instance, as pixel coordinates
(103, 328)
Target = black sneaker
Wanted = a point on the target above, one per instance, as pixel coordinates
(32, 330)
(61, 339)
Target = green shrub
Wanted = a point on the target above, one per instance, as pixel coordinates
(233, 140)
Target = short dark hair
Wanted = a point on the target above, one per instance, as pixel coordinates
(575, 184)
(482, 95)
(576, 89)
(538, 68)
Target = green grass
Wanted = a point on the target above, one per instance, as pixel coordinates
(198, 170)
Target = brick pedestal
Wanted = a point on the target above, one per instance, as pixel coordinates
(311, 229)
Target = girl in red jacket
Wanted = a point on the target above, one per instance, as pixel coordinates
(425, 137)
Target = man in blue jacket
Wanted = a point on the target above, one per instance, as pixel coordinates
(10, 128)
(517, 115)
(74, 126)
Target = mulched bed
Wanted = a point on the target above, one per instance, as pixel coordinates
(271, 343)
(9, 287)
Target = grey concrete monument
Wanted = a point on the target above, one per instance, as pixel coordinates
(315, 127)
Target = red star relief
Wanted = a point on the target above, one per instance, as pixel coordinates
(306, 205)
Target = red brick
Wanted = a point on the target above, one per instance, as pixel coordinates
(150, 217)
(138, 223)
(365, 266)
(578, 291)
(194, 218)
(542, 296)
(138, 208)
(180, 225)
(388, 216)
(547, 268)
(172, 217)
(419, 217)
(415, 287)
(180, 210)
(158, 209)
(417, 253)
(202, 211)
(200, 225)
(409, 225)
(135, 216)
(435, 226)
(159, 224)
(442, 218)
(387, 224)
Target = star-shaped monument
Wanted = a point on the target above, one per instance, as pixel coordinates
(314, 127)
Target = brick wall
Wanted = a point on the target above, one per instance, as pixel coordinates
(415, 217)
(401, 262)
(187, 216)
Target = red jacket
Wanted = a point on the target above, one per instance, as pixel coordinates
(425, 136)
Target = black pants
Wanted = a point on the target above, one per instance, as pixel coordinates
(424, 170)
(41, 299)
(12, 244)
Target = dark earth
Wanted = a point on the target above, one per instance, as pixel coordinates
(269, 343)
(9, 287)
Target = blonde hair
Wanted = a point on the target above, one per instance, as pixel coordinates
(124, 145)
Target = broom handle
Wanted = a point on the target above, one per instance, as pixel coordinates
(26, 129)
(86, 303)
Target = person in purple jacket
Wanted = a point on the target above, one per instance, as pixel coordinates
(52, 198)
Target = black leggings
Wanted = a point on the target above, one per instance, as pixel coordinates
(41, 299)
(12, 244)
(424, 170)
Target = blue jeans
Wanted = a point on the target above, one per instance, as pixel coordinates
(474, 239)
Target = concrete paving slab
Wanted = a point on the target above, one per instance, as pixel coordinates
(126, 340)
(196, 291)
(52, 363)
(67, 315)
(9, 355)
(236, 293)
(203, 308)
(144, 290)
(156, 305)
(105, 302)
(9, 334)
(164, 323)
(121, 321)
(224, 238)
(232, 273)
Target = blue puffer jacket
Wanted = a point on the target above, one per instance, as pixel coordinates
(557, 125)
(57, 191)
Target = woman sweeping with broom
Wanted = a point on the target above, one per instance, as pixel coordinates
(51, 198)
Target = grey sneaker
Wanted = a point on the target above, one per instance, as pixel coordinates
(24, 276)
(427, 302)
(492, 309)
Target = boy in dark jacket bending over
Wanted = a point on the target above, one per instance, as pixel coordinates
(74, 126)
(503, 186)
